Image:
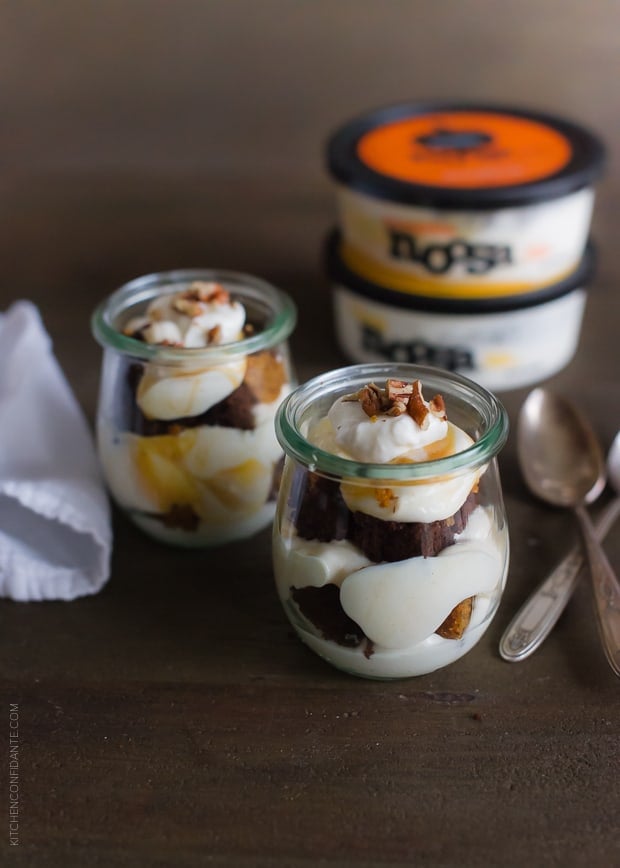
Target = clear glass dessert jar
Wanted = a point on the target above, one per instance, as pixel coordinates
(391, 563)
(195, 364)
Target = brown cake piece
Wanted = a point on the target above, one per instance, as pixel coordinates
(456, 623)
(265, 375)
(322, 607)
(319, 510)
(235, 411)
(383, 540)
(276, 479)
(180, 515)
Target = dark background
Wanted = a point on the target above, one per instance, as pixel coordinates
(172, 719)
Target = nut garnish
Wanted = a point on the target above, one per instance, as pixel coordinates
(417, 408)
(214, 335)
(188, 306)
(454, 625)
(202, 290)
(192, 300)
(397, 398)
(372, 398)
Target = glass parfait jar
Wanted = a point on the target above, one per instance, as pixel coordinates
(185, 434)
(391, 570)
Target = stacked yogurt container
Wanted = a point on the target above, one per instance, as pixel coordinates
(463, 238)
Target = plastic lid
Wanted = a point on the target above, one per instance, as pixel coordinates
(463, 156)
(340, 273)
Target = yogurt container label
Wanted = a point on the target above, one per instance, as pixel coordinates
(503, 350)
(478, 253)
(465, 149)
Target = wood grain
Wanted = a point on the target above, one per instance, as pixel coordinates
(173, 719)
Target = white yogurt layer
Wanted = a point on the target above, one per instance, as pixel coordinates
(168, 393)
(433, 653)
(414, 501)
(399, 605)
(224, 474)
(349, 432)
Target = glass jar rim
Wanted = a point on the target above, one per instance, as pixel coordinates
(148, 286)
(297, 446)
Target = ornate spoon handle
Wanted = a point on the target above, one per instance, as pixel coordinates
(540, 612)
(606, 591)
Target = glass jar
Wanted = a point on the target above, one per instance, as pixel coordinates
(186, 435)
(396, 569)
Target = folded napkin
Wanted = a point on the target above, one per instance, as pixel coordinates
(55, 530)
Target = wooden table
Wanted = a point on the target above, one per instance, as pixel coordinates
(174, 719)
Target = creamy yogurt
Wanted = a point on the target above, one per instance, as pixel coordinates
(224, 475)
(399, 606)
(349, 432)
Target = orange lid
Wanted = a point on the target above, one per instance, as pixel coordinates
(463, 156)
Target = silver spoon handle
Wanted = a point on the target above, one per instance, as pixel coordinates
(606, 591)
(537, 617)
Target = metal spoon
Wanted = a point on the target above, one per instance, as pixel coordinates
(563, 464)
(538, 615)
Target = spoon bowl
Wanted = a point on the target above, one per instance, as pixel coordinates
(563, 464)
(538, 615)
(613, 463)
(560, 456)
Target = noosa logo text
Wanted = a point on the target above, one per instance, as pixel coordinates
(439, 258)
(416, 351)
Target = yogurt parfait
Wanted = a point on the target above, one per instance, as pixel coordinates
(390, 541)
(195, 365)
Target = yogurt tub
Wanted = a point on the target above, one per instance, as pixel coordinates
(503, 342)
(195, 365)
(390, 545)
(485, 200)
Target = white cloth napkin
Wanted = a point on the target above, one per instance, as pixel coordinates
(55, 529)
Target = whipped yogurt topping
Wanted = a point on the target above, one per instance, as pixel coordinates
(200, 316)
(379, 426)
(405, 428)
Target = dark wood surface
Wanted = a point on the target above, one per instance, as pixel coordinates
(174, 719)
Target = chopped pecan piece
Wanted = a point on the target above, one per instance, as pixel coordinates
(454, 625)
(397, 409)
(416, 407)
(214, 335)
(188, 306)
(399, 390)
(397, 398)
(438, 407)
(372, 399)
(202, 290)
